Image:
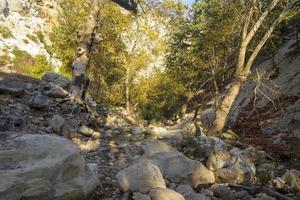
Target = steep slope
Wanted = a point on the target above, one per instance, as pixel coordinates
(24, 26)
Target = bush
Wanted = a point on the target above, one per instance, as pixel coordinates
(40, 67)
(5, 32)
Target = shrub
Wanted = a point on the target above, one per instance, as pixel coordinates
(39, 68)
(5, 32)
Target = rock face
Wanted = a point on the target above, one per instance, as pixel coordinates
(164, 194)
(141, 177)
(39, 101)
(43, 167)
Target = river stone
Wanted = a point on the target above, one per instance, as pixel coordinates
(220, 159)
(56, 123)
(208, 144)
(39, 101)
(141, 177)
(140, 196)
(152, 146)
(55, 91)
(56, 79)
(43, 167)
(241, 171)
(164, 194)
(179, 169)
(189, 193)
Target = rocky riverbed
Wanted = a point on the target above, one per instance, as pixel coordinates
(53, 146)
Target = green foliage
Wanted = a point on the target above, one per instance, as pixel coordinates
(72, 15)
(5, 32)
(24, 63)
(33, 38)
(40, 67)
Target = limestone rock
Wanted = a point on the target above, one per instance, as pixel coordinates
(151, 147)
(43, 167)
(141, 177)
(164, 194)
(56, 79)
(181, 170)
(56, 123)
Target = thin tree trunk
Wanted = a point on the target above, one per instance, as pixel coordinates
(127, 92)
(85, 42)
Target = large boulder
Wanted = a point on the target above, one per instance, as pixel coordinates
(178, 168)
(141, 177)
(43, 167)
(57, 79)
(164, 194)
(175, 166)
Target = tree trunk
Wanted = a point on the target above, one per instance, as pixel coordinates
(224, 108)
(243, 68)
(127, 92)
(85, 42)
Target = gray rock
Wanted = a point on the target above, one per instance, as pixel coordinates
(181, 170)
(265, 172)
(151, 147)
(137, 132)
(56, 123)
(222, 192)
(164, 194)
(220, 159)
(88, 132)
(43, 167)
(139, 196)
(263, 196)
(241, 171)
(207, 145)
(39, 101)
(242, 195)
(11, 88)
(56, 79)
(141, 177)
(55, 91)
(254, 155)
(189, 193)
(4, 125)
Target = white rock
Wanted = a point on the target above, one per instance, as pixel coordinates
(141, 177)
(164, 194)
(43, 166)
